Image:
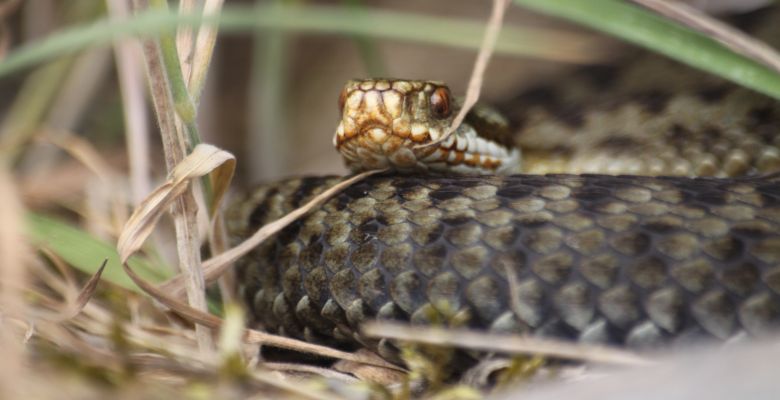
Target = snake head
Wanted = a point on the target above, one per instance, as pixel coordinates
(386, 123)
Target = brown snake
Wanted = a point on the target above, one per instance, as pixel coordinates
(627, 260)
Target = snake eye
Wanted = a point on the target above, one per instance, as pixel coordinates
(440, 103)
(342, 99)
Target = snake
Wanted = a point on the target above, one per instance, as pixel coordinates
(604, 208)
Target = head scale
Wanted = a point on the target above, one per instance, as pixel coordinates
(384, 122)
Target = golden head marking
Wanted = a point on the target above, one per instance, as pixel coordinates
(383, 122)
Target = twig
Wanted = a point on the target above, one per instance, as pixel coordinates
(311, 369)
(502, 343)
(184, 209)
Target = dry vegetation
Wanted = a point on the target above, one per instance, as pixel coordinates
(84, 186)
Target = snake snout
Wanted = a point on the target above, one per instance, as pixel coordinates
(375, 146)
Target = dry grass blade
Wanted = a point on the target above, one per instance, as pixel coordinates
(480, 65)
(160, 366)
(196, 48)
(185, 43)
(136, 118)
(513, 344)
(250, 335)
(514, 290)
(110, 185)
(214, 267)
(370, 373)
(66, 277)
(12, 275)
(84, 152)
(140, 224)
(86, 293)
(292, 387)
(13, 247)
(204, 48)
(204, 159)
(310, 369)
(730, 37)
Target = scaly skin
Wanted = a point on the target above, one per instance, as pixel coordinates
(611, 259)
(625, 260)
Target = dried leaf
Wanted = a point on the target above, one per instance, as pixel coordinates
(86, 293)
(204, 159)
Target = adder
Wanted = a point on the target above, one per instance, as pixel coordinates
(642, 216)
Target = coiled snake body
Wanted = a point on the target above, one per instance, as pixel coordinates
(628, 260)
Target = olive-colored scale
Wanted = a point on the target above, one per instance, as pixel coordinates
(628, 260)
(625, 260)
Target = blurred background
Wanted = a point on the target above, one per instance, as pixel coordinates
(82, 136)
(270, 96)
(79, 139)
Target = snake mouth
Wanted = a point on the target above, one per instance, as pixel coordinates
(468, 153)
(377, 146)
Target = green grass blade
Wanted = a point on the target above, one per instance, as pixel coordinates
(644, 28)
(462, 33)
(367, 48)
(86, 253)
